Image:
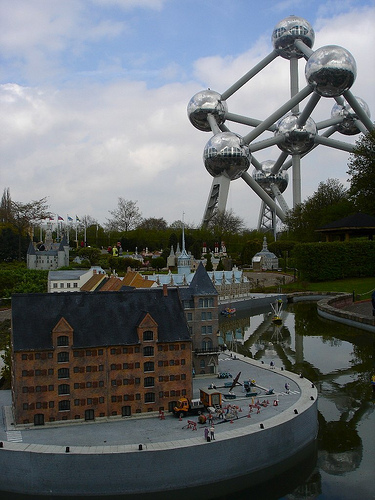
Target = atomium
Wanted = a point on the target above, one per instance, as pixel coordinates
(349, 116)
(289, 30)
(225, 154)
(330, 72)
(266, 179)
(204, 103)
(298, 139)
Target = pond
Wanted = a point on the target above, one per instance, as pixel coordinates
(340, 361)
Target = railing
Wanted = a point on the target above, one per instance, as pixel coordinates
(209, 350)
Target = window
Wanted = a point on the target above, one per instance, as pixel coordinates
(150, 397)
(68, 285)
(63, 341)
(61, 285)
(63, 373)
(148, 366)
(149, 382)
(64, 405)
(189, 316)
(206, 302)
(206, 316)
(148, 350)
(206, 330)
(75, 285)
(63, 389)
(62, 357)
(148, 335)
(55, 285)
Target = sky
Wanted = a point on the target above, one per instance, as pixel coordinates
(94, 96)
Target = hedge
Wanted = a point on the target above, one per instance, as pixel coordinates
(336, 260)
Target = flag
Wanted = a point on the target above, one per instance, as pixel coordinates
(51, 217)
(77, 220)
(70, 219)
(59, 217)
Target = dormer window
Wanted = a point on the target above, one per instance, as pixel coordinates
(148, 335)
(62, 341)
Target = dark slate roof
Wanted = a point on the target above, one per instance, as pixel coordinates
(201, 283)
(356, 221)
(98, 319)
(31, 249)
(64, 243)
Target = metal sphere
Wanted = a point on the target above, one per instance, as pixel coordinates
(348, 126)
(297, 139)
(287, 31)
(203, 103)
(225, 154)
(265, 177)
(331, 70)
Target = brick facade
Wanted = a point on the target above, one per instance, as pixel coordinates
(69, 381)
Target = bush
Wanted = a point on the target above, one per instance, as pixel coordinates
(336, 260)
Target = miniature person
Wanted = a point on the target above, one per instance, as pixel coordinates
(272, 364)
(206, 433)
(212, 433)
(287, 387)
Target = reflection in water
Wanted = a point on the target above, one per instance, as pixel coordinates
(339, 360)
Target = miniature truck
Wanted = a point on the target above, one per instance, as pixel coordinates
(208, 398)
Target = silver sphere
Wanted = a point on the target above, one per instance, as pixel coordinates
(287, 31)
(265, 177)
(225, 154)
(348, 126)
(331, 70)
(297, 139)
(203, 103)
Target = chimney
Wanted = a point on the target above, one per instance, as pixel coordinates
(165, 290)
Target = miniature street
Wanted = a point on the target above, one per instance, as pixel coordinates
(152, 428)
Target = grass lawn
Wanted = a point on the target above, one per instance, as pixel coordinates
(362, 287)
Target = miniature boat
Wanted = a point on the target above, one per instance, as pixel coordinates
(228, 311)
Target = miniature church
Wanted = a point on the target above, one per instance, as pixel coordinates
(265, 260)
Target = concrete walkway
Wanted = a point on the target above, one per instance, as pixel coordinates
(150, 429)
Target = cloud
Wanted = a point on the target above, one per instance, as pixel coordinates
(86, 134)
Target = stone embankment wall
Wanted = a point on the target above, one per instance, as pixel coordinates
(333, 306)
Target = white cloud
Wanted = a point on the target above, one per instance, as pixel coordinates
(85, 142)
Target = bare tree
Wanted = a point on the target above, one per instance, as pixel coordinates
(24, 215)
(126, 217)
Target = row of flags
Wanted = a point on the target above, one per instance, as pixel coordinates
(59, 218)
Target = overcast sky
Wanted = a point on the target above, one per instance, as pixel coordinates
(94, 96)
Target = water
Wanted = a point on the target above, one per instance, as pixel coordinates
(340, 361)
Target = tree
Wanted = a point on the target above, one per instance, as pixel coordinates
(153, 224)
(5, 206)
(226, 222)
(24, 215)
(330, 202)
(126, 217)
(362, 174)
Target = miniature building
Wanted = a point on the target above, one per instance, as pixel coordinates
(86, 355)
(72, 280)
(200, 301)
(52, 257)
(265, 260)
